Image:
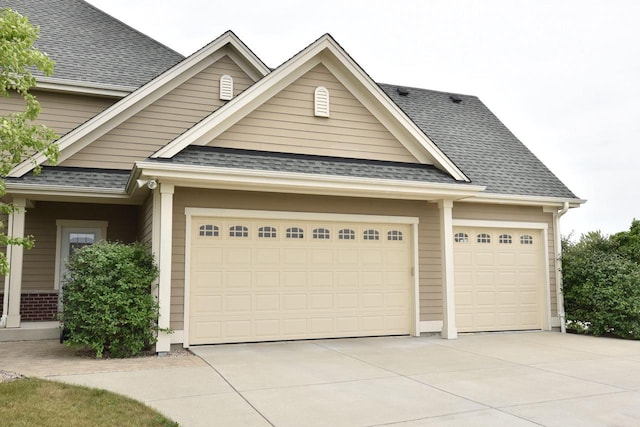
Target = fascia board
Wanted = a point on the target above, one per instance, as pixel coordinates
(141, 98)
(506, 199)
(85, 88)
(59, 190)
(252, 180)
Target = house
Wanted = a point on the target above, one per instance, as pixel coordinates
(307, 201)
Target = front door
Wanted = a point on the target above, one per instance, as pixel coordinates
(72, 238)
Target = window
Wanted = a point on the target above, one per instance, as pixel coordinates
(321, 233)
(505, 239)
(484, 238)
(371, 235)
(238, 231)
(226, 87)
(209, 230)
(321, 101)
(346, 234)
(267, 232)
(295, 233)
(526, 239)
(461, 238)
(394, 235)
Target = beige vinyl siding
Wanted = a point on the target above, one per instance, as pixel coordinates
(286, 123)
(61, 112)
(430, 283)
(146, 222)
(155, 126)
(479, 211)
(39, 263)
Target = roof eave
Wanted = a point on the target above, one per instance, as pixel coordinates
(81, 87)
(301, 183)
(511, 199)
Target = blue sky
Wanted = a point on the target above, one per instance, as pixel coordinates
(563, 75)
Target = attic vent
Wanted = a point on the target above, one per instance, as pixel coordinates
(403, 91)
(321, 101)
(226, 87)
(455, 99)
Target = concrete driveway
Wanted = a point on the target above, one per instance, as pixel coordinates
(507, 379)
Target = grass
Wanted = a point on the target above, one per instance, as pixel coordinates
(36, 402)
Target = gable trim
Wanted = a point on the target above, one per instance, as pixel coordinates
(325, 50)
(86, 133)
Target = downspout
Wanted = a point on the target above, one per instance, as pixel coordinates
(560, 294)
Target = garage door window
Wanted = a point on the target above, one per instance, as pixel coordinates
(267, 232)
(346, 234)
(526, 239)
(295, 233)
(321, 233)
(461, 238)
(209, 230)
(505, 239)
(371, 235)
(484, 238)
(395, 235)
(238, 231)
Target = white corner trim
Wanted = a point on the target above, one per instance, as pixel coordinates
(431, 326)
(187, 279)
(415, 326)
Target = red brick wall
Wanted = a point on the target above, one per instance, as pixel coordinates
(37, 307)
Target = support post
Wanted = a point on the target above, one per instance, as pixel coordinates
(449, 330)
(164, 281)
(15, 257)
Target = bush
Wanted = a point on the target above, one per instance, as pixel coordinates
(601, 287)
(107, 301)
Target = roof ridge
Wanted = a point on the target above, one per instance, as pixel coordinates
(429, 90)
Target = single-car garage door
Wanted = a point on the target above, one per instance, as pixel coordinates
(499, 279)
(279, 279)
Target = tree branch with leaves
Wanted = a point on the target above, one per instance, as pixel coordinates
(20, 135)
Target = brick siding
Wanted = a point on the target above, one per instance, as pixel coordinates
(37, 307)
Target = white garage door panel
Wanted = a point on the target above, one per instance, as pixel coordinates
(498, 285)
(252, 288)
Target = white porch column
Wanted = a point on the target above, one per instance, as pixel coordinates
(164, 280)
(449, 330)
(15, 255)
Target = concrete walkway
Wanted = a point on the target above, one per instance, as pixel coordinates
(510, 379)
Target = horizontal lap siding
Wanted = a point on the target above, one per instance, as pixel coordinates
(286, 123)
(479, 211)
(60, 112)
(429, 261)
(158, 124)
(39, 263)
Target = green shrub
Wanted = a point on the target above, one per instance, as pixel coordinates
(601, 288)
(107, 301)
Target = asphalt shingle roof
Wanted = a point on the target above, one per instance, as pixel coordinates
(297, 163)
(89, 45)
(478, 143)
(110, 179)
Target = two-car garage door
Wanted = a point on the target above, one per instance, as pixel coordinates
(255, 279)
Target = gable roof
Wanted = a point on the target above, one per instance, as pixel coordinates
(327, 51)
(91, 47)
(75, 140)
(476, 140)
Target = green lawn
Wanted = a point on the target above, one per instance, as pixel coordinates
(34, 402)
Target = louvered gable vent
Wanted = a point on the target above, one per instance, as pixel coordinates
(321, 101)
(226, 87)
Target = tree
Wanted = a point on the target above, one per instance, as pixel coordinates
(20, 136)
